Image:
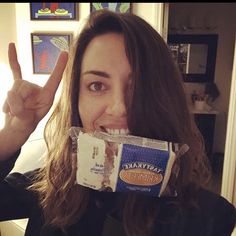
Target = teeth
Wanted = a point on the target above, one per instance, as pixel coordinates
(117, 131)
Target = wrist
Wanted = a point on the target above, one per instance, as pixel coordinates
(12, 139)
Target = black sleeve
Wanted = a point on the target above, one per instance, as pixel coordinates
(7, 166)
(225, 218)
(220, 214)
(16, 201)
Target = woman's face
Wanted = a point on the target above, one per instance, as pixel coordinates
(105, 85)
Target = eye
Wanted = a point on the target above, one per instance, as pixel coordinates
(97, 86)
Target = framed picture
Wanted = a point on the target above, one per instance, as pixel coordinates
(46, 48)
(113, 6)
(180, 53)
(53, 11)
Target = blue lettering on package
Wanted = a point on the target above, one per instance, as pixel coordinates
(141, 169)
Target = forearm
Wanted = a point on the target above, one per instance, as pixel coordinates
(11, 141)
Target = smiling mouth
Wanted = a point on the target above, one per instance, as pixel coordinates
(115, 131)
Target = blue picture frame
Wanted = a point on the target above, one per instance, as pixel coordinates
(46, 48)
(114, 6)
(53, 11)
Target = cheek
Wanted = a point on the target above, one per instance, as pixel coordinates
(90, 112)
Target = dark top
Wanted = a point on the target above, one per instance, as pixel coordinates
(215, 215)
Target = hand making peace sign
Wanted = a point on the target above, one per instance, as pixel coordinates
(28, 103)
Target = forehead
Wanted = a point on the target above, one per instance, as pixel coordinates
(106, 50)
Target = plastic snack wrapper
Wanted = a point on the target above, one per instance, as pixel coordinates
(122, 163)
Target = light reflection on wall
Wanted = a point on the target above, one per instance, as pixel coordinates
(6, 83)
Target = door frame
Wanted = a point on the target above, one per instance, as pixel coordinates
(229, 167)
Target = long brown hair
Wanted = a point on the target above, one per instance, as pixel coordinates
(158, 110)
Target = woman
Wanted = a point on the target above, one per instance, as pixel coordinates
(120, 79)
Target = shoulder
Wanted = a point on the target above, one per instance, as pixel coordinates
(19, 180)
(217, 210)
(209, 199)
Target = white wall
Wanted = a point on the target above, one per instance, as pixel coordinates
(7, 28)
(7, 34)
(151, 12)
(223, 17)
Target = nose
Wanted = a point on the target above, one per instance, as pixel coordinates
(117, 105)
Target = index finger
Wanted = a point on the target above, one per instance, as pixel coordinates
(55, 78)
(13, 61)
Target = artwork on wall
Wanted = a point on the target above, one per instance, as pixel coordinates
(53, 11)
(113, 6)
(46, 48)
(180, 54)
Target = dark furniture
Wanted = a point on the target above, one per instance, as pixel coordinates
(206, 125)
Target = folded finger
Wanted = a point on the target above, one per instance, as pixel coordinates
(5, 107)
(15, 103)
(16, 85)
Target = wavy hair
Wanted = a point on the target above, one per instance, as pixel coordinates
(158, 110)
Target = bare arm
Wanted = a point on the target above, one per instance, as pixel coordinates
(26, 104)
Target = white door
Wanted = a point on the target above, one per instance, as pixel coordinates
(228, 187)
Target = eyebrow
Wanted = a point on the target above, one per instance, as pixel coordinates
(98, 73)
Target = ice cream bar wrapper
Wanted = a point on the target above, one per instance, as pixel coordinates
(105, 163)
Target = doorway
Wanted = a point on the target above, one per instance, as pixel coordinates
(210, 18)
